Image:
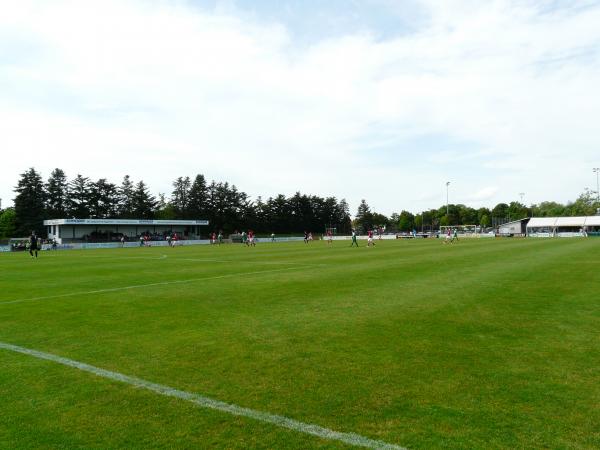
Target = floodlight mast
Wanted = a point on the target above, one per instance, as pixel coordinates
(447, 184)
(596, 170)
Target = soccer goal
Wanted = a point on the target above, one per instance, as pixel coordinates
(463, 230)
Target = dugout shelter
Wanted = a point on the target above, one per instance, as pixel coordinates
(111, 230)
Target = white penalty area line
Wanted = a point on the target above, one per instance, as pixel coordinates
(139, 286)
(207, 402)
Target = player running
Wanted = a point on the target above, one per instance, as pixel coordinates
(370, 241)
(244, 238)
(329, 237)
(251, 238)
(448, 239)
(306, 237)
(220, 237)
(354, 241)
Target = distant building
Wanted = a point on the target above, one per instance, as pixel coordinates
(514, 228)
(107, 230)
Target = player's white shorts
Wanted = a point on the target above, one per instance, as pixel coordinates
(370, 240)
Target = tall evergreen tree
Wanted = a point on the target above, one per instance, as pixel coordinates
(364, 217)
(125, 198)
(180, 197)
(57, 198)
(197, 198)
(103, 199)
(144, 203)
(29, 204)
(79, 197)
(344, 218)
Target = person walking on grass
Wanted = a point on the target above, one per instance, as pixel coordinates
(33, 245)
(354, 241)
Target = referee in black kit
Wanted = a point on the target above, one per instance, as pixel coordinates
(33, 244)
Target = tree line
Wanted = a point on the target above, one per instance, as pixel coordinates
(222, 204)
(586, 205)
(229, 209)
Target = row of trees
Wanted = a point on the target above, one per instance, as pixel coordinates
(229, 209)
(226, 207)
(585, 205)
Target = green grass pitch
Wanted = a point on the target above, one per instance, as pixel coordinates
(482, 344)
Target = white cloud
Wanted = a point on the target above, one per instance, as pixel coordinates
(160, 89)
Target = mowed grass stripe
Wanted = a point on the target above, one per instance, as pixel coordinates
(206, 402)
(147, 285)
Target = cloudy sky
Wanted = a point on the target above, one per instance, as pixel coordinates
(378, 99)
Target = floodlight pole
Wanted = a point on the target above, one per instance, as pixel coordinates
(522, 194)
(447, 184)
(597, 171)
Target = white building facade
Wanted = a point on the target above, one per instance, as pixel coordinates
(111, 230)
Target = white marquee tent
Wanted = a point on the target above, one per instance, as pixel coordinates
(563, 226)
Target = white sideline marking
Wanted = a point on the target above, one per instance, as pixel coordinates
(138, 286)
(207, 402)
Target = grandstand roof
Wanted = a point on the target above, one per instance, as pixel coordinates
(123, 222)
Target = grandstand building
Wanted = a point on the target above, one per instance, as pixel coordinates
(112, 230)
